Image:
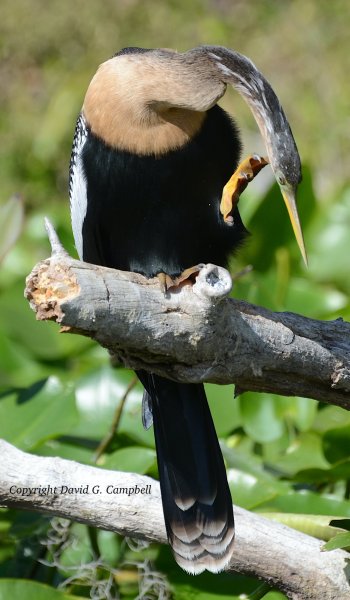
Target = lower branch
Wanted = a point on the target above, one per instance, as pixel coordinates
(284, 558)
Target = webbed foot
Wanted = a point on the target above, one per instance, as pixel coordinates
(245, 172)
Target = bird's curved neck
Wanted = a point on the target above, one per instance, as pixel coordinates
(239, 71)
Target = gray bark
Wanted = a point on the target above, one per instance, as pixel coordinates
(195, 332)
(287, 559)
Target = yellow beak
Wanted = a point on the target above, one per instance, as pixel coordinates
(289, 198)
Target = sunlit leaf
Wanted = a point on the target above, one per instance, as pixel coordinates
(331, 417)
(342, 540)
(67, 449)
(224, 408)
(306, 297)
(250, 492)
(309, 503)
(248, 462)
(305, 451)
(329, 244)
(77, 553)
(98, 395)
(17, 589)
(40, 412)
(41, 339)
(17, 365)
(305, 411)
(259, 417)
(132, 459)
(316, 525)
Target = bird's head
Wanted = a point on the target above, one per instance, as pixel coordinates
(285, 163)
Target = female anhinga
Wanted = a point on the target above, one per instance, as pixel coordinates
(151, 155)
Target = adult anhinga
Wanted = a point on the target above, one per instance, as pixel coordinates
(151, 155)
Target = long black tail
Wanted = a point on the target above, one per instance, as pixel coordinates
(196, 498)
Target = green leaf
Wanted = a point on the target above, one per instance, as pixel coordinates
(42, 411)
(336, 444)
(299, 411)
(131, 459)
(304, 452)
(259, 417)
(329, 243)
(242, 459)
(306, 297)
(67, 449)
(41, 339)
(304, 412)
(77, 553)
(316, 525)
(11, 223)
(109, 544)
(98, 395)
(17, 366)
(306, 502)
(339, 472)
(331, 417)
(224, 408)
(342, 540)
(250, 492)
(17, 589)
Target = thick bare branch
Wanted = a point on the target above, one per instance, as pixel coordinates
(194, 333)
(287, 559)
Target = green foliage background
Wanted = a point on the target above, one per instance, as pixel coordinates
(58, 393)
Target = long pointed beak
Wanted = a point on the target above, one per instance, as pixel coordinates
(289, 198)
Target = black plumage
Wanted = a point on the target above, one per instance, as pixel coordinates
(161, 213)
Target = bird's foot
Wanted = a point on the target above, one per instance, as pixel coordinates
(245, 172)
(187, 276)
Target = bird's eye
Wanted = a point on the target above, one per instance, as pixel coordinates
(281, 179)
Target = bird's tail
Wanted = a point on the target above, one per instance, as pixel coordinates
(196, 499)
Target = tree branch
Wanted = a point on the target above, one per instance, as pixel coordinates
(287, 559)
(194, 333)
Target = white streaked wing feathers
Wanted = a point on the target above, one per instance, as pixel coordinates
(77, 184)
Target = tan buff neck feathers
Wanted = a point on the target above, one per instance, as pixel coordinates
(146, 104)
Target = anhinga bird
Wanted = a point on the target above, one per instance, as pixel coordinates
(152, 155)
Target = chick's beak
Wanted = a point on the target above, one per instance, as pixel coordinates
(289, 198)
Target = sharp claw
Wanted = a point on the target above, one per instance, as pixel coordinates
(162, 278)
(167, 282)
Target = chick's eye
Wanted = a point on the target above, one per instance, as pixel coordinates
(281, 179)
